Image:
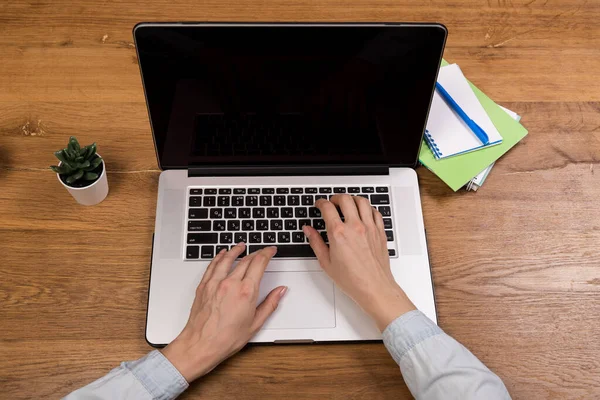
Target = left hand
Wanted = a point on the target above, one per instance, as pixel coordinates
(224, 315)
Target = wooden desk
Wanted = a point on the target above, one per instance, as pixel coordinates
(516, 265)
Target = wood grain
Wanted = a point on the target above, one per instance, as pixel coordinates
(516, 265)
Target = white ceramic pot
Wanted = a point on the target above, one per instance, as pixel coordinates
(92, 194)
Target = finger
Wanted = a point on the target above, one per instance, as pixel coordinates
(329, 213)
(380, 227)
(259, 263)
(347, 205)
(267, 307)
(223, 267)
(318, 245)
(365, 210)
(240, 269)
(211, 266)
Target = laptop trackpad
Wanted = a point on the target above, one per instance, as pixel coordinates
(308, 302)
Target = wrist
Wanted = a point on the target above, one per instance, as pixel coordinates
(190, 362)
(387, 305)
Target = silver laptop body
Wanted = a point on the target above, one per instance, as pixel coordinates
(253, 123)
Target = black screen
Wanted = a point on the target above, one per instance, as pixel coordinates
(288, 94)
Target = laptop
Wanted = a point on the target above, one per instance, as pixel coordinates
(253, 123)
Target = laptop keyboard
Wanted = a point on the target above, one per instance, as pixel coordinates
(218, 218)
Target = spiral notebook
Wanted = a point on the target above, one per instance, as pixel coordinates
(446, 133)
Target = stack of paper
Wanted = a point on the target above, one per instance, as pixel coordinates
(474, 164)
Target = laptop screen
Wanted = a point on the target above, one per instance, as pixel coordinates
(288, 94)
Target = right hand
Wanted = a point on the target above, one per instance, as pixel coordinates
(357, 258)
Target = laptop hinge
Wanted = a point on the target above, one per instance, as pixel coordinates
(283, 170)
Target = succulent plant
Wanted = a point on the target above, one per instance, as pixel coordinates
(77, 163)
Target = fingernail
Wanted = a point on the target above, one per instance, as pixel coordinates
(282, 291)
(306, 231)
(241, 244)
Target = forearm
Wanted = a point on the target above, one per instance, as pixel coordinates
(435, 366)
(150, 377)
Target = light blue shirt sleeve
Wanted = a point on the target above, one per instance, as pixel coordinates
(151, 377)
(435, 366)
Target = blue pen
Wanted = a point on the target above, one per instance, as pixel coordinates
(480, 133)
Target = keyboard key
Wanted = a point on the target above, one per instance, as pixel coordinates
(221, 247)
(325, 237)
(298, 237)
(276, 225)
(255, 237)
(381, 189)
(251, 201)
(223, 201)
(233, 225)
(226, 237)
(366, 196)
(230, 213)
(239, 191)
(192, 252)
(207, 252)
(391, 252)
(209, 201)
(237, 201)
(210, 191)
(219, 225)
(240, 237)
(198, 213)
(318, 224)
(244, 213)
(301, 212)
(216, 213)
(254, 191)
(308, 200)
(293, 200)
(268, 191)
(310, 190)
(202, 238)
(224, 191)
(272, 212)
(302, 222)
(368, 189)
(290, 224)
(243, 253)
(320, 196)
(385, 211)
(353, 190)
(269, 237)
(287, 212)
(199, 226)
(325, 190)
(314, 212)
(297, 190)
(380, 199)
(389, 235)
(195, 201)
(196, 191)
(266, 200)
(387, 223)
(339, 190)
(283, 237)
(287, 250)
(282, 190)
(262, 224)
(279, 200)
(258, 212)
(248, 225)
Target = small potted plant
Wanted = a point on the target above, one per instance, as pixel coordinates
(82, 171)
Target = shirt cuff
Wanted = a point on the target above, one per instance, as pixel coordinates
(407, 331)
(158, 376)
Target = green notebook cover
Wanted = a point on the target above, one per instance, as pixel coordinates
(459, 170)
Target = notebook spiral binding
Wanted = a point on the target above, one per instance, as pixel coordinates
(432, 146)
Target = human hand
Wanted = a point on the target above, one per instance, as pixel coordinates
(224, 315)
(357, 258)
